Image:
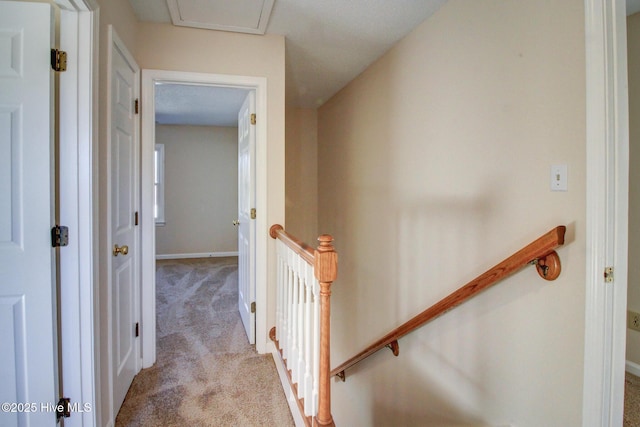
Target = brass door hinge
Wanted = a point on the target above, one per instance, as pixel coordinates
(63, 408)
(136, 106)
(58, 60)
(253, 307)
(253, 118)
(59, 236)
(253, 213)
(608, 274)
(136, 220)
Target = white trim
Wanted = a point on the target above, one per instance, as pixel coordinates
(289, 393)
(78, 134)
(633, 368)
(607, 200)
(197, 255)
(259, 84)
(108, 362)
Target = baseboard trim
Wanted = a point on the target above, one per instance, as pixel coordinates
(633, 368)
(292, 399)
(197, 255)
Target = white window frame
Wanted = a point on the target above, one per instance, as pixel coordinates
(159, 185)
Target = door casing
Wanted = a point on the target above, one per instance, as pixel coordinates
(78, 189)
(259, 85)
(607, 148)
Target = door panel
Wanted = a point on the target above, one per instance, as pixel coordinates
(27, 290)
(124, 297)
(246, 226)
(124, 233)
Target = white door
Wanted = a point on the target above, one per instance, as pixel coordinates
(27, 292)
(247, 223)
(125, 276)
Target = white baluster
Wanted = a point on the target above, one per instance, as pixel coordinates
(299, 361)
(289, 292)
(293, 361)
(280, 288)
(316, 344)
(285, 286)
(302, 329)
(281, 332)
(307, 383)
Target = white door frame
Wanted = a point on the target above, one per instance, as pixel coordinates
(149, 79)
(78, 192)
(607, 217)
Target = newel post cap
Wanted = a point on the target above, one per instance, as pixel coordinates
(326, 260)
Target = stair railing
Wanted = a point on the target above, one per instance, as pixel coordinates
(540, 253)
(302, 331)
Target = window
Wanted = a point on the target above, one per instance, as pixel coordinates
(158, 205)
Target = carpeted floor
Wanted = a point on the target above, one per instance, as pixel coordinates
(206, 373)
(631, 401)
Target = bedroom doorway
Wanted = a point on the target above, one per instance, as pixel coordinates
(151, 81)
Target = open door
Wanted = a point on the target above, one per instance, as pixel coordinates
(125, 196)
(246, 215)
(28, 349)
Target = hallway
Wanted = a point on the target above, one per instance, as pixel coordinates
(206, 373)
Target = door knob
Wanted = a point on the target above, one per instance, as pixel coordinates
(236, 223)
(120, 250)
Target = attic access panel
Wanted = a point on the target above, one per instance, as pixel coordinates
(240, 16)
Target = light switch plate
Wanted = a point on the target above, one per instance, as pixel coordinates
(559, 178)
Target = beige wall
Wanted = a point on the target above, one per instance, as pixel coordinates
(633, 303)
(201, 190)
(301, 186)
(437, 161)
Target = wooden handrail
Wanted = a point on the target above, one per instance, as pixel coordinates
(305, 251)
(540, 252)
(324, 261)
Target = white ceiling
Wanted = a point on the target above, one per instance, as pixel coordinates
(183, 104)
(328, 42)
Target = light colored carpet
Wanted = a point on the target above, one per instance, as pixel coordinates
(206, 373)
(631, 401)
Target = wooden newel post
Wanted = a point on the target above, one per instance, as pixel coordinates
(326, 270)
